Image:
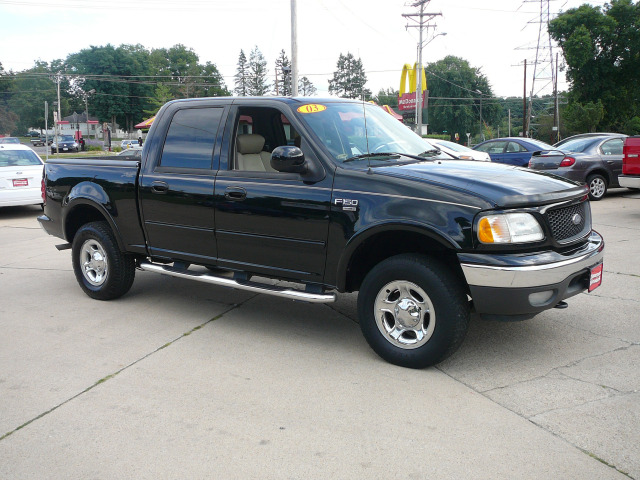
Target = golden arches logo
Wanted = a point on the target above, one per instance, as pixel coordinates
(412, 73)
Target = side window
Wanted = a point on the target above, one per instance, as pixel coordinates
(191, 137)
(493, 147)
(612, 147)
(258, 131)
(513, 147)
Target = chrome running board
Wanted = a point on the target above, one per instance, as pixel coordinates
(240, 285)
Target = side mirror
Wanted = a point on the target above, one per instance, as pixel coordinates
(288, 159)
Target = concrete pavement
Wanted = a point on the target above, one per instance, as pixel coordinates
(182, 380)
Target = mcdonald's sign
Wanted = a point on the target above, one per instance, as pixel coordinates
(407, 98)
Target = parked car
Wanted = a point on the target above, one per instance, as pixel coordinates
(512, 150)
(630, 176)
(32, 133)
(5, 140)
(20, 176)
(596, 161)
(40, 141)
(128, 144)
(65, 143)
(374, 210)
(460, 151)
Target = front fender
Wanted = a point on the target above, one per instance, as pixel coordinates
(430, 234)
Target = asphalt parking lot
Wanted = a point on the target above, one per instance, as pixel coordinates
(182, 380)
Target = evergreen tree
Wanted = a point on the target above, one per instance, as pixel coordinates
(241, 76)
(257, 84)
(349, 79)
(306, 88)
(283, 75)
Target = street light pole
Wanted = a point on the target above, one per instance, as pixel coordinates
(294, 49)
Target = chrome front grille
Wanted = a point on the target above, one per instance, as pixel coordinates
(569, 223)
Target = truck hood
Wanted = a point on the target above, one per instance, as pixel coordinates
(502, 185)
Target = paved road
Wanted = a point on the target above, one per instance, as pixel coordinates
(181, 380)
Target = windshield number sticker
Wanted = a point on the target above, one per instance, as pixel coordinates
(311, 108)
(347, 204)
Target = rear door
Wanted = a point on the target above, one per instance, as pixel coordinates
(611, 154)
(177, 190)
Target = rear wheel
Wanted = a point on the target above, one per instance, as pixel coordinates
(101, 269)
(413, 311)
(597, 186)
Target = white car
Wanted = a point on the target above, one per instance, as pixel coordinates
(20, 176)
(460, 151)
(128, 144)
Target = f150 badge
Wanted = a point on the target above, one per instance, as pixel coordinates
(346, 204)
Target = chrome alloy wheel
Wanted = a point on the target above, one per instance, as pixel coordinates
(597, 187)
(404, 314)
(93, 260)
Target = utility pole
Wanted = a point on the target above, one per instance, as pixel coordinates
(294, 49)
(525, 116)
(422, 19)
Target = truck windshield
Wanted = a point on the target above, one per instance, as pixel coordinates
(353, 133)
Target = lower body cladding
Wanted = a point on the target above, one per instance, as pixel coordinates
(517, 287)
(629, 181)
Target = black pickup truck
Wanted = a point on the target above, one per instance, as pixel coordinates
(334, 195)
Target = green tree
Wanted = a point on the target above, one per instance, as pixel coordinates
(584, 117)
(118, 77)
(349, 79)
(28, 92)
(257, 84)
(600, 46)
(387, 96)
(457, 95)
(242, 75)
(179, 68)
(282, 85)
(306, 88)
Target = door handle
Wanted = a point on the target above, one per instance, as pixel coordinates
(236, 194)
(159, 187)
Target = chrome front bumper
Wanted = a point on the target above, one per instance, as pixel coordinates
(519, 286)
(522, 271)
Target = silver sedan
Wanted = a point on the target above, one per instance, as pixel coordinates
(596, 161)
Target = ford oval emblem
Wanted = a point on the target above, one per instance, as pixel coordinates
(576, 219)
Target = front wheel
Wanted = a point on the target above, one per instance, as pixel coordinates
(413, 311)
(101, 269)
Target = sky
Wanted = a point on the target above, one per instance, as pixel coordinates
(495, 36)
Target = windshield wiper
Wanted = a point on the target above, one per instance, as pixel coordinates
(430, 153)
(372, 155)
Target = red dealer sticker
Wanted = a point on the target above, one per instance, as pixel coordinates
(20, 182)
(596, 277)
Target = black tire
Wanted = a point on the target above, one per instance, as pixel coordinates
(419, 289)
(597, 186)
(102, 270)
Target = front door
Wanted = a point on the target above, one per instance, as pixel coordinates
(266, 221)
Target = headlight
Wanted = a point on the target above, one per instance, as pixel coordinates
(509, 228)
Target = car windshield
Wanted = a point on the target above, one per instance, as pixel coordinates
(9, 140)
(18, 158)
(579, 145)
(66, 138)
(356, 133)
